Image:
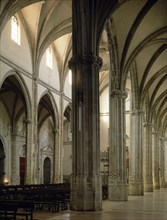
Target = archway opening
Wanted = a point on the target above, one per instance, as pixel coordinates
(2, 163)
(46, 136)
(47, 170)
(22, 164)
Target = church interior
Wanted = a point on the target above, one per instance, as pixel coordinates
(83, 98)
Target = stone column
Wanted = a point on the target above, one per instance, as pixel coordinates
(147, 158)
(162, 162)
(88, 18)
(33, 149)
(165, 160)
(54, 155)
(14, 159)
(85, 180)
(117, 180)
(57, 169)
(29, 162)
(156, 181)
(136, 155)
(58, 160)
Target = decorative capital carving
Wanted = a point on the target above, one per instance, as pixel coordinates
(26, 121)
(85, 60)
(137, 112)
(162, 138)
(118, 93)
(156, 132)
(147, 124)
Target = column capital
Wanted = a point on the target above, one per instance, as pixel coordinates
(85, 60)
(26, 121)
(118, 93)
(156, 132)
(162, 138)
(136, 112)
(147, 124)
(55, 130)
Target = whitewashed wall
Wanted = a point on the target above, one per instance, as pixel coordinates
(48, 75)
(17, 54)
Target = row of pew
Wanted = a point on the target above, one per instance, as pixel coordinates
(27, 198)
(23, 200)
(11, 209)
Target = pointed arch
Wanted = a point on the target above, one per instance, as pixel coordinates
(134, 86)
(146, 42)
(51, 107)
(67, 112)
(22, 87)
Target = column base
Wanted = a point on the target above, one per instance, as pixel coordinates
(148, 187)
(162, 184)
(156, 187)
(58, 179)
(28, 180)
(156, 184)
(117, 191)
(136, 189)
(86, 196)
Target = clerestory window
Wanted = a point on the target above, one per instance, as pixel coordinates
(70, 77)
(15, 30)
(49, 57)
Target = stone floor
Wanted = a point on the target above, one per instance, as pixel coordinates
(151, 206)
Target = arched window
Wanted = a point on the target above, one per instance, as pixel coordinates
(49, 57)
(15, 30)
(70, 77)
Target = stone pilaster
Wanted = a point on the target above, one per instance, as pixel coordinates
(162, 162)
(58, 173)
(29, 162)
(147, 158)
(117, 180)
(34, 135)
(14, 159)
(156, 180)
(85, 179)
(136, 155)
(85, 64)
(165, 160)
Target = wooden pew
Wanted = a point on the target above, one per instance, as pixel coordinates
(8, 211)
(55, 197)
(22, 208)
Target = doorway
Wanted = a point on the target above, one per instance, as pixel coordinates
(22, 170)
(47, 170)
(22, 165)
(2, 163)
